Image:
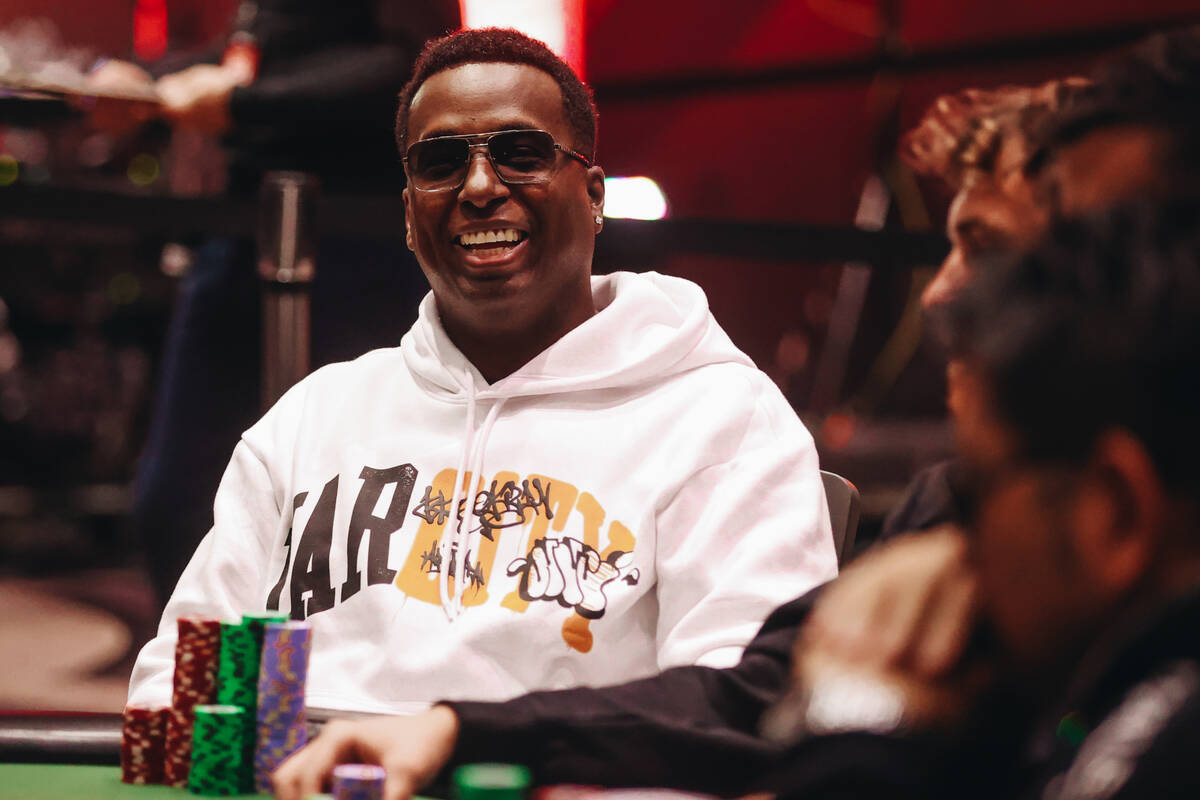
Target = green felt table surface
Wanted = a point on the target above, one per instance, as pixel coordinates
(76, 782)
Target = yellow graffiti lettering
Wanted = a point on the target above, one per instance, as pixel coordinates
(486, 557)
(415, 578)
(415, 582)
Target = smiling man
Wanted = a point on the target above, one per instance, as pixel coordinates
(556, 479)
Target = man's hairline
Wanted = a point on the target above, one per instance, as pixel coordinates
(562, 95)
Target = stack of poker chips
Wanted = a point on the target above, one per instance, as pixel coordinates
(196, 653)
(143, 738)
(216, 750)
(281, 680)
(358, 782)
(237, 681)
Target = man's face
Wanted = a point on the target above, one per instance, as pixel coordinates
(1102, 169)
(510, 287)
(1033, 587)
(994, 212)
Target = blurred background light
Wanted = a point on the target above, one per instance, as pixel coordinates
(123, 288)
(143, 169)
(9, 169)
(150, 29)
(558, 23)
(634, 198)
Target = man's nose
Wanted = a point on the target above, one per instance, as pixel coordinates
(950, 278)
(481, 185)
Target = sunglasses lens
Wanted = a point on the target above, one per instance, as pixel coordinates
(523, 156)
(437, 163)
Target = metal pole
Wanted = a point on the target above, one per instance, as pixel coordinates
(287, 245)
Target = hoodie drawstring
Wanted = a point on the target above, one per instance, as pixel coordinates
(454, 523)
(454, 542)
(473, 537)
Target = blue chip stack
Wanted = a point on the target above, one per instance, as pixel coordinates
(281, 679)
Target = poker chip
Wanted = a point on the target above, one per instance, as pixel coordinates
(237, 680)
(258, 624)
(281, 679)
(143, 738)
(491, 782)
(217, 753)
(358, 782)
(196, 657)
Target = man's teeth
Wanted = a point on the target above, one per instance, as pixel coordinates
(490, 237)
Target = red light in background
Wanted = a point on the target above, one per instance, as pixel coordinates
(558, 23)
(150, 29)
(838, 429)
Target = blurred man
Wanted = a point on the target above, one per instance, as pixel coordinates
(1081, 371)
(556, 479)
(977, 144)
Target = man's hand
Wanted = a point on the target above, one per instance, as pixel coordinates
(410, 749)
(198, 97)
(900, 619)
(909, 605)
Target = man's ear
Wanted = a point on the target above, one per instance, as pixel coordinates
(408, 226)
(595, 189)
(1120, 512)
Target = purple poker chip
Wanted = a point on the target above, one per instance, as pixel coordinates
(358, 782)
(281, 681)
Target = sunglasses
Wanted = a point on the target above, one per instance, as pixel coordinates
(440, 164)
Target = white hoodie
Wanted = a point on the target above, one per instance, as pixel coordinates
(649, 498)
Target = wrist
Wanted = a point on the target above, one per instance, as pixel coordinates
(444, 724)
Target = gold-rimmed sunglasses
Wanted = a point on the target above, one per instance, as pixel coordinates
(440, 164)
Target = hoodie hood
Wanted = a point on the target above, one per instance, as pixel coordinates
(646, 327)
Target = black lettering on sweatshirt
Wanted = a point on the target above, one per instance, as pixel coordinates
(363, 519)
(310, 571)
(277, 589)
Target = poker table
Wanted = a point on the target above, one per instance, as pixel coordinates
(61, 756)
(85, 782)
(79, 782)
(74, 757)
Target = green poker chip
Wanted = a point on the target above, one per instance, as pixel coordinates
(217, 753)
(491, 782)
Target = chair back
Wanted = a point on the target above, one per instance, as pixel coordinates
(843, 513)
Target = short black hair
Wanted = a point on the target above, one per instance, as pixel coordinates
(1095, 329)
(1156, 84)
(507, 46)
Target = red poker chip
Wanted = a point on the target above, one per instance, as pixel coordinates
(196, 657)
(143, 736)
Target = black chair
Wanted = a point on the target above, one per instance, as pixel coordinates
(843, 502)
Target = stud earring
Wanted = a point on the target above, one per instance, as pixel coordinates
(599, 219)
